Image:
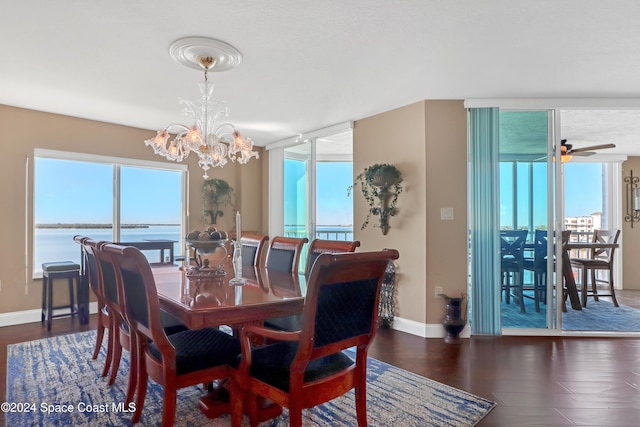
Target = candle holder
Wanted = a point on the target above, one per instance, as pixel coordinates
(237, 264)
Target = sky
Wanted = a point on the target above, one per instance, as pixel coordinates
(80, 192)
(333, 206)
(582, 188)
(583, 191)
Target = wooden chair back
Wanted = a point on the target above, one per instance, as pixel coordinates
(320, 246)
(108, 282)
(93, 274)
(344, 290)
(512, 248)
(137, 290)
(540, 242)
(604, 236)
(284, 253)
(253, 246)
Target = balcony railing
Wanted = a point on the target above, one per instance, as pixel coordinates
(327, 233)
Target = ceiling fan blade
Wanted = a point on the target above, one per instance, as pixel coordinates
(582, 153)
(591, 148)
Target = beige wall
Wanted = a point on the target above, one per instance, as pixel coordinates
(427, 142)
(23, 130)
(630, 236)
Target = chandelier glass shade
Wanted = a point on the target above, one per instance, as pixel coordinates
(210, 137)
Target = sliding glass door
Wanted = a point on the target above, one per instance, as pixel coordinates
(526, 212)
(298, 215)
(316, 174)
(543, 193)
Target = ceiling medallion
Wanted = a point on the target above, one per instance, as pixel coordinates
(212, 141)
(187, 50)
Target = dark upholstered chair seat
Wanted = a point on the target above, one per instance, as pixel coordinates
(200, 349)
(271, 364)
(287, 323)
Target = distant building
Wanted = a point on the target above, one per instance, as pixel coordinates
(583, 224)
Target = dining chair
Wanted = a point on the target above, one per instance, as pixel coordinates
(253, 246)
(305, 368)
(566, 236)
(284, 253)
(321, 246)
(512, 264)
(175, 361)
(316, 247)
(120, 336)
(94, 277)
(600, 259)
(538, 266)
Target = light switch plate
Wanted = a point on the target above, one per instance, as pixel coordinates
(446, 214)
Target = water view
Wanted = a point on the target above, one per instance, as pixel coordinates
(57, 244)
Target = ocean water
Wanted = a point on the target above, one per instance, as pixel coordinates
(57, 244)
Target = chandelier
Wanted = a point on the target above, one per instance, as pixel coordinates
(212, 141)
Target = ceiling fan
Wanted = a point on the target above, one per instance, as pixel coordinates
(566, 150)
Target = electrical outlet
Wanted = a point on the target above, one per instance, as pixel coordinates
(438, 291)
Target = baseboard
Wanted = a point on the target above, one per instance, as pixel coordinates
(31, 316)
(425, 330)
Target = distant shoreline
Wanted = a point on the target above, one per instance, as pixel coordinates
(100, 225)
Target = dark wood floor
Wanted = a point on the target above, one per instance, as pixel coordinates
(536, 381)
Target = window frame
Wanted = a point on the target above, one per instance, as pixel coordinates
(116, 163)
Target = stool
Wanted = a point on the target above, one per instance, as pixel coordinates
(58, 270)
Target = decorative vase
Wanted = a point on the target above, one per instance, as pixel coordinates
(453, 322)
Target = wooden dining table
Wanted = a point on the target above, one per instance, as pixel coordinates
(206, 298)
(567, 271)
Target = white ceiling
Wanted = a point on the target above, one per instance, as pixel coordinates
(312, 64)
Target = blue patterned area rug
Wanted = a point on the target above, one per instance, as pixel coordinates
(59, 371)
(596, 316)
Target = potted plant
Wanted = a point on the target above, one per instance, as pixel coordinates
(381, 185)
(216, 194)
